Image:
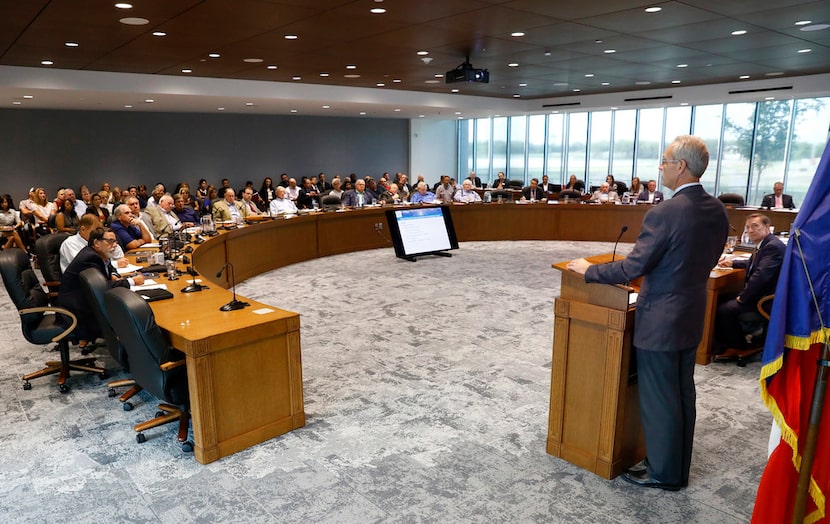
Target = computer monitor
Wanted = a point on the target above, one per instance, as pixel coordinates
(421, 231)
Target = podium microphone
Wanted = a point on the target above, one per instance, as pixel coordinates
(234, 304)
(193, 286)
(614, 254)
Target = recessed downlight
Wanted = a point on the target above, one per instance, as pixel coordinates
(134, 20)
(397, 110)
(71, 44)
(271, 67)
(682, 65)
(159, 33)
(47, 62)
(610, 51)
(249, 104)
(377, 10)
(362, 113)
(324, 75)
(380, 84)
(653, 9)
(296, 77)
(122, 5)
(186, 70)
(293, 111)
(253, 60)
(214, 55)
(456, 90)
(743, 77)
(352, 75)
(396, 80)
(517, 34)
(802, 51)
(291, 37)
(804, 22)
(326, 107)
(351, 66)
(149, 101)
(739, 32)
(422, 53)
(513, 64)
(675, 81)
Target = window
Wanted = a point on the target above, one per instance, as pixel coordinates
(483, 141)
(625, 125)
(555, 168)
(535, 146)
(577, 143)
(737, 148)
(599, 164)
(516, 165)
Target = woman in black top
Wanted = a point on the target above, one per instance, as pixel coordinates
(66, 219)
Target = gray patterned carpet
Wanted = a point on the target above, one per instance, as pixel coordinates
(426, 393)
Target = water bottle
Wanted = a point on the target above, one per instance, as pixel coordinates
(626, 198)
(488, 197)
(314, 205)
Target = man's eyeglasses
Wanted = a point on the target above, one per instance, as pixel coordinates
(668, 161)
(110, 241)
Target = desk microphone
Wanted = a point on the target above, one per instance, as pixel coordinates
(614, 254)
(234, 304)
(193, 286)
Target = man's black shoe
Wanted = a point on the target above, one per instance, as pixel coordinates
(643, 480)
(638, 468)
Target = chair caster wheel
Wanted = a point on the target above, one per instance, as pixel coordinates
(140, 438)
(63, 388)
(741, 363)
(127, 406)
(103, 376)
(159, 414)
(111, 392)
(187, 446)
(27, 386)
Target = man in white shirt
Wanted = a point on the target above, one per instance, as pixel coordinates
(466, 194)
(292, 192)
(74, 244)
(281, 205)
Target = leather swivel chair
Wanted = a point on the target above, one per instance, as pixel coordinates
(505, 195)
(731, 199)
(572, 194)
(622, 187)
(39, 328)
(48, 251)
(515, 184)
(94, 286)
(159, 368)
(330, 202)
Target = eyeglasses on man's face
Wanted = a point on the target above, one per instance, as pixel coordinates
(109, 241)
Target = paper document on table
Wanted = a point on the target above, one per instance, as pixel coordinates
(129, 268)
(632, 298)
(150, 245)
(149, 284)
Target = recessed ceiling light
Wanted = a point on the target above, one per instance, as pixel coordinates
(653, 9)
(774, 73)
(577, 90)
(28, 97)
(128, 106)
(458, 112)
(71, 44)
(517, 34)
(252, 60)
(380, 84)
(560, 84)
(291, 37)
(614, 108)
(431, 81)
(396, 80)
(802, 51)
(589, 75)
(272, 67)
(460, 118)
(516, 95)
(769, 98)
(548, 53)
(220, 108)
(684, 103)
(804, 22)
(523, 84)
(249, 104)
(123, 6)
(17, 102)
(397, 110)
(420, 116)
(326, 107)
(324, 75)
(214, 55)
(377, 10)
(610, 51)
(132, 20)
(513, 64)
(149, 101)
(422, 53)
(739, 32)
(606, 83)
(351, 66)
(351, 76)
(293, 110)
(743, 77)
(814, 27)
(598, 41)
(555, 112)
(438, 75)
(363, 112)
(642, 83)
(46, 62)
(682, 65)
(456, 90)
(296, 78)
(159, 33)
(675, 81)
(187, 70)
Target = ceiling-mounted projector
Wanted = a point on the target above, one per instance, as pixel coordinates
(467, 73)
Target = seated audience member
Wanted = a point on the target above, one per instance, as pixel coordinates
(206, 208)
(10, 223)
(762, 270)
(474, 180)
(96, 207)
(163, 218)
(188, 200)
(357, 197)
(146, 223)
(308, 195)
(228, 209)
(445, 191)
(500, 182)
(414, 186)
(284, 180)
(116, 197)
(348, 185)
(82, 203)
(281, 205)
(336, 190)
(635, 188)
(42, 210)
(466, 193)
(403, 185)
(59, 198)
(130, 230)
(575, 185)
(322, 184)
(142, 195)
(66, 220)
(604, 194)
(650, 193)
(292, 192)
(201, 191)
(546, 186)
(71, 296)
(533, 192)
(391, 196)
(266, 192)
(249, 208)
(612, 184)
(373, 189)
(777, 199)
(158, 192)
(422, 195)
(74, 244)
(188, 216)
(381, 186)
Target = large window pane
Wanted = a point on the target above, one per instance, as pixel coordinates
(482, 167)
(678, 122)
(737, 148)
(516, 169)
(772, 136)
(598, 164)
(707, 126)
(577, 144)
(556, 146)
(622, 165)
(466, 136)
(809, 139)
(536, 146)
(650, 129)
(499, 146)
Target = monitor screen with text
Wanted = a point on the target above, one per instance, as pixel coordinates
(421, 230)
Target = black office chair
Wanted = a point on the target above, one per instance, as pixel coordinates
(48, 251)
(555, 188)
(159, 368)
(731, 199)
(515, 184)
(571, 194)
(32, 303)
(505, 195)
(94, 286)
(621, 188)
(330, 202)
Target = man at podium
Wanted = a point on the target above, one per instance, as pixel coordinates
(679, 243)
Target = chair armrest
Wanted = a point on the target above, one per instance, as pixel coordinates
(762, 303)
(167, 366)
(49, 309)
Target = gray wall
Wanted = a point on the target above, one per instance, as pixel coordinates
(67, 148)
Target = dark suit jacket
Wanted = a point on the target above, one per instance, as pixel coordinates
(540, 194)
(679, 243)
(658, 196)
(71, 294)
(476, 182)
(762, 270)
(769, 201)
(350, 198)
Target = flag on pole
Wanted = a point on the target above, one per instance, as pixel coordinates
(794, 341)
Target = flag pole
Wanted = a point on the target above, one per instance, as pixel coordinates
(816, 408)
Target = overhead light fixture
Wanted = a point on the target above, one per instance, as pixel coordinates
(654, 9)
(214, 55)
(739, 32)
(377, 10)
(516, 95)
(675, 81)
(149, 101)
(802, 51)
(804, 22)
(46, 62)
(743, 77)
(397, 110)
(351, 76)
(296, 78)
(133, 20)
(774, 73)
(293, 111)
(814, 27)
(253, 60)
(513, 64)
(350, 66)
(362, 113)
(271, 67)
(187, 70)
(326, 107)
(455, 90)
(220, 108)
(610, 51)
(589, 75)
(606, 83)
(380, 84)
(769, 98)
(324, 75)
(121, 5)
(249, 104)
(17, 102)
(159, 33)
(517, 34)
(522, 84)
(128, 106)
(71, 44)
(422, 53)
(396, 80)
(682, 65)
(577, 90)
(291, 37)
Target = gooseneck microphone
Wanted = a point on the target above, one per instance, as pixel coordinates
(193, 286)
(234, 304)
(614, 254)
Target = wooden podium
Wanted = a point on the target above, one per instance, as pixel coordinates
(594, 420)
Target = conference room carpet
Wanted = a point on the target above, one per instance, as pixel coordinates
(426, 395)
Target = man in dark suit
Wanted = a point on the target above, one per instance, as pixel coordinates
(650, 195)
(762, 270)
(777, 199)
(533, 191)
(357, 197)
(679, 243)
(474, 179)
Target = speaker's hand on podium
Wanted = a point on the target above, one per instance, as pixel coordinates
(580, 265)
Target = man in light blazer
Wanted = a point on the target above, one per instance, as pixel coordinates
(228, 208)
(680, 241)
